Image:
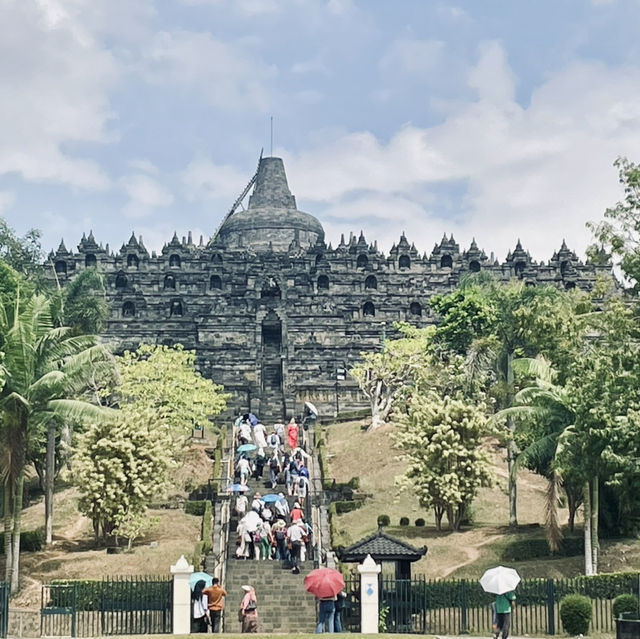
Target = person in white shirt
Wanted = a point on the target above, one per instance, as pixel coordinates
(242, 503)
(244, 468)
(245, 433)
(259, 435)
(282, 507)
(257, 504)
(294, 536)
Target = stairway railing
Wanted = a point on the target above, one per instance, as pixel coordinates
(225, 515)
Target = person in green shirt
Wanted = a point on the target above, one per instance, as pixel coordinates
(505, 604)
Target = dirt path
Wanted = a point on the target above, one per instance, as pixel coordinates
(473, 554)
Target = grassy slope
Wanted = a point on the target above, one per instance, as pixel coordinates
(353, 452)
(74, 555)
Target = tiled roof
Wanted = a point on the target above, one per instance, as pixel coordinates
(383, 548)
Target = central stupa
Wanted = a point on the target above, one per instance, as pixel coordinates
(272, 221)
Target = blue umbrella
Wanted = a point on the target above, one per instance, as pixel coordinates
(253, 419)
(200, 576)
(271, 499)
(237, 488)
(246, 448)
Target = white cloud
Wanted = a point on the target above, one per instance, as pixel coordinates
(229, 75)
(54, 93)
(145, 195)
(537, 172)
(204, 180)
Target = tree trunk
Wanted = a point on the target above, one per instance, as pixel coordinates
(595, 511)
(438, 512)
(49, 478)
(511, 448)
(17, 522)
(588, 557)
(8, 528)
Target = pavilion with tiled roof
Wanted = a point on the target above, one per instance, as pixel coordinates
(384, 549)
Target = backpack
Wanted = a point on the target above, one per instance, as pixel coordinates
(280, 534)
(274, 440)
(301, 482)
(274, 463)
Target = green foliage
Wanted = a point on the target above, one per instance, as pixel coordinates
(420, 522)
(24, 254)
(342, 507)
(120, 465)
(440, 438)
(625, 604)
(384, 520)
(527, 549)
(575, 613)
(383, 614)
(207, 528)
(85, 303)
(30, 541)
(404, 521)
(164, 380)
(196, 507)
(619, 234)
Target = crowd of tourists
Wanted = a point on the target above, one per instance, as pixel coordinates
(268, 529)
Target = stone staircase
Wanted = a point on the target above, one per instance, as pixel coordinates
(284, 606)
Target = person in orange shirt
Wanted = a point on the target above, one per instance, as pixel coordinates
(215, 594)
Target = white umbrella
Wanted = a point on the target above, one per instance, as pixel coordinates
(252, 521)
(499, 580)
(312, 408)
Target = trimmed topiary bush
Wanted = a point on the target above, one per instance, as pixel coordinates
(575, 613)
(420, 522)
(404, 521)
(625, 603)
(384, 520)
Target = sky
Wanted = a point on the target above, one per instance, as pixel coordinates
(493, 119)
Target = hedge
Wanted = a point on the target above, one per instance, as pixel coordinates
(207, 529)
(342, 507)
(625, 604)
(30, 541)
(525, 549)
(196, 507)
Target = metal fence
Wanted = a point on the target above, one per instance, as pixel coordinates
(5, 590)
(113, 606)
(455, 607)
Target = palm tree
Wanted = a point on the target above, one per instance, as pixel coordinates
(546, 408)
(44, 372)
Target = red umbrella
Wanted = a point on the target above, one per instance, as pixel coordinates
(324, 582)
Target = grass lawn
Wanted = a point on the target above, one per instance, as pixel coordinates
(352, 452)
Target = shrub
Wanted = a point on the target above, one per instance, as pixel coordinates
(195, 508)
(538, 548)
(384, 520)
(625, 603)
(354, 483)
(207, 528)
(404, 521)
(346, 506)
(30, 541)
(420, 522)
(575, 613)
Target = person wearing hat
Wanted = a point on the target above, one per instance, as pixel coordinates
(249, 610)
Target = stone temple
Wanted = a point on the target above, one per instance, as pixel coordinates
(273, 312)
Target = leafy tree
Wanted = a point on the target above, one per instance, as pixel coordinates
(516, 321)
(164, 380)
(619, 233)
(85, 304)
(383, 377)
(44, 373)
(441, 439)
(24, 254)
(119, 465)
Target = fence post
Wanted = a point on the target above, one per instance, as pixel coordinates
(369, 611)
(181, 572)
(464, 629)
(551, 610)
